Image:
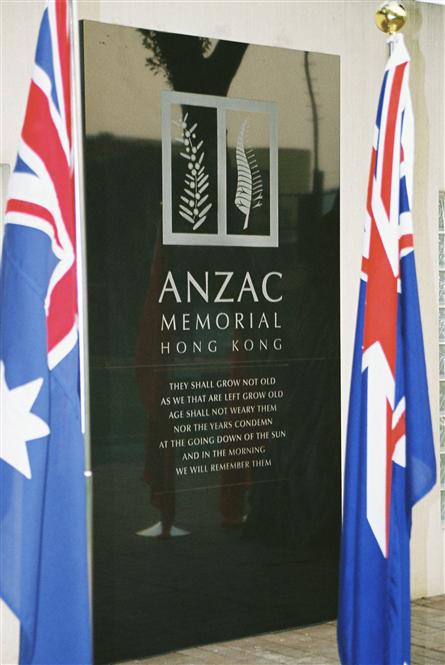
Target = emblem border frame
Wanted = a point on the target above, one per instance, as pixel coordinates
(221, 104)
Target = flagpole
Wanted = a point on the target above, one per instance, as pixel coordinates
(390, 18)
(82, 291)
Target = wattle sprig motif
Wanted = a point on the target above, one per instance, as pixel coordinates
(249, 190)
(195, 204)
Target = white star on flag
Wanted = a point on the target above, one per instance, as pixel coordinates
(18, 424)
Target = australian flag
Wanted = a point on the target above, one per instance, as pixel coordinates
(390, 462)
(43, 518)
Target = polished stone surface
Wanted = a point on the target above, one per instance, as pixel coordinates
(313, 645)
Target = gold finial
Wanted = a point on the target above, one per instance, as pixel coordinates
(390, 17)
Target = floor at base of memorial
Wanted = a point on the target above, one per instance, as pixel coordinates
(313, 645)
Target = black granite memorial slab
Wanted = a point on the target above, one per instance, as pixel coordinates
(212, 179)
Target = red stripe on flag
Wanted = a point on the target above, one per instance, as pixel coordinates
(391, 122)
(65, 60)
(62, 309)
(27, 208)
(406, 242)
(364, 265)
(381, 301)
(40, 133)
(399, 430)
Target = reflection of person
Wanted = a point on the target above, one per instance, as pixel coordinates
(189, 66)
(159, 470)
(153, 381)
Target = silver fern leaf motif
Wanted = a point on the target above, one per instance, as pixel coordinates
(195, 202)
(249, 189)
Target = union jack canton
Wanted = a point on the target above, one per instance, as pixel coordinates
(43, 532)
(390, 461)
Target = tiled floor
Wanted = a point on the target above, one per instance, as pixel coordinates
(315, 645)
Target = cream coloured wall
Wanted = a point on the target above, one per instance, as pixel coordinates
(344, 27)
